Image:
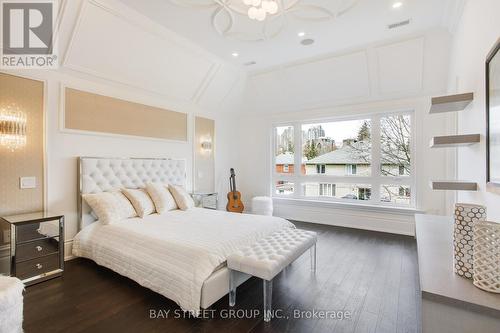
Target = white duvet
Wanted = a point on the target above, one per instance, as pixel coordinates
(173, 253)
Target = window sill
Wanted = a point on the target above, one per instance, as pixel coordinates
(348, 205)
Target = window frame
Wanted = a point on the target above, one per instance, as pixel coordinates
(376, 180)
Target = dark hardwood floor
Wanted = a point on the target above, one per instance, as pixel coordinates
(372, 276)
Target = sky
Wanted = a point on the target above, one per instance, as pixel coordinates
(339, 130)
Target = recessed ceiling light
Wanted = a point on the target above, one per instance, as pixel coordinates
(235, 54)
(397, 4)
(301, 34)
(307, 41)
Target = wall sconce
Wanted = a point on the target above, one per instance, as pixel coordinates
(206, 145)
(12, 127)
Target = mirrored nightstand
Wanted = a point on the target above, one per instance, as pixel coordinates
(208, 200)
(32, 246)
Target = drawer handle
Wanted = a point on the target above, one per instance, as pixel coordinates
(39, 266)
(39, 248)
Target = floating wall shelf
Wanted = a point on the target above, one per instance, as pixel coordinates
(451, 103)
(454, 140)
(451, 185)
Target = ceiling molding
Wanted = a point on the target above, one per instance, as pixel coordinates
(227, 12)
(453, 14)
(199, 87)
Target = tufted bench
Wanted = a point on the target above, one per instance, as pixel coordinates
(268, 257)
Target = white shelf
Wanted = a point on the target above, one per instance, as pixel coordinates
(454, 140)
(451, 103)
(452, 185)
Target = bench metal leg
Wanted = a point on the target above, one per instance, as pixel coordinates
(312, 251)
(232, 287)
(268, 299)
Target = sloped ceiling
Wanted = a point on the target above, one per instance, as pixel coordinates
(111, 42)
(411, 67)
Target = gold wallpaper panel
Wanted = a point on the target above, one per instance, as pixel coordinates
(96, 113)
(27, 161)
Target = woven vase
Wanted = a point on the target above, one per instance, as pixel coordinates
(487, 256)
(465, 217)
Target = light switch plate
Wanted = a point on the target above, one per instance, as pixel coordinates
(27, 182)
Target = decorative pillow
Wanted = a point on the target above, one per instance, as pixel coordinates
(162, 198)
(182, 198)
(110, 207)
(141, 201)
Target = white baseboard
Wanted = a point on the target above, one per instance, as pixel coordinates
(68, 250)
(395, 223)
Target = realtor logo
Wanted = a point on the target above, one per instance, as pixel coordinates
(27, 34)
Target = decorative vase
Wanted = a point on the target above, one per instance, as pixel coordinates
(487, 256)
(465, 217)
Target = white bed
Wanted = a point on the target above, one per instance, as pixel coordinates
(179, 254)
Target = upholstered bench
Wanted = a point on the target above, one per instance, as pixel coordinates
(268, 257)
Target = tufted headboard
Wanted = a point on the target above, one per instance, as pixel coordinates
(106, 174)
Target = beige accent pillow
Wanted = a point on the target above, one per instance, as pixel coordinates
(182, 197)
(162, 198)
(141, 201)
(110, 207)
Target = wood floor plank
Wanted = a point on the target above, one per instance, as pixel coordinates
(372, 275)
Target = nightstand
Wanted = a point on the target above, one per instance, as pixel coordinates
(207, 200)
(32, 246)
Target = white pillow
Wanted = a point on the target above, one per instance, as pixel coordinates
(182, 197)
(162, 198)
(110, 207)
(141, 201)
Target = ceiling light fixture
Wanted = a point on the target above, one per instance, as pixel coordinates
(260, 8)
(397, 4)
(301, 34)
(12, 127)
(235, 54)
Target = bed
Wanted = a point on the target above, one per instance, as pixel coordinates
(179, 254)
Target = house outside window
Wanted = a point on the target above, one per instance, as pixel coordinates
(352, 167)
(320, 168)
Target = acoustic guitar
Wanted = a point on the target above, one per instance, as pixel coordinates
(234, 203)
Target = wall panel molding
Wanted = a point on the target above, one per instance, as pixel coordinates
(89, 113)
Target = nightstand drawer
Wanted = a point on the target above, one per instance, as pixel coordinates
(36, 249)
(32, 231)
(30, 268)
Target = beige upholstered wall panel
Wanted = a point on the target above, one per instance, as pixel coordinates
(204, 159)
(96, 113)
(27, 161)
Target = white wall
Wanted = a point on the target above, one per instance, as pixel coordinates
(477, 32)
(396, 75)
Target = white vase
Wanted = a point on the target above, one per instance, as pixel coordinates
(465, 217)
(487, 256)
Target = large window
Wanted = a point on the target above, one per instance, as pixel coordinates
(367, 160)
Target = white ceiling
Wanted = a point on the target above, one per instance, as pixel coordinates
(365, 23)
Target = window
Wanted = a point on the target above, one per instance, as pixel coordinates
(343, 153)
(284, 149)
(402, 170)
(351, 169)
(284, 188)
(328, 147)
(338, 191)
(320, 168)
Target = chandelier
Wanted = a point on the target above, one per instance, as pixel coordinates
(230, 18)
(260, 8)
(12, 127)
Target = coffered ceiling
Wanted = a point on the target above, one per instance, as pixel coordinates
(223, 28)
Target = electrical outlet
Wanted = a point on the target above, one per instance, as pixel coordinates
(27, 182)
